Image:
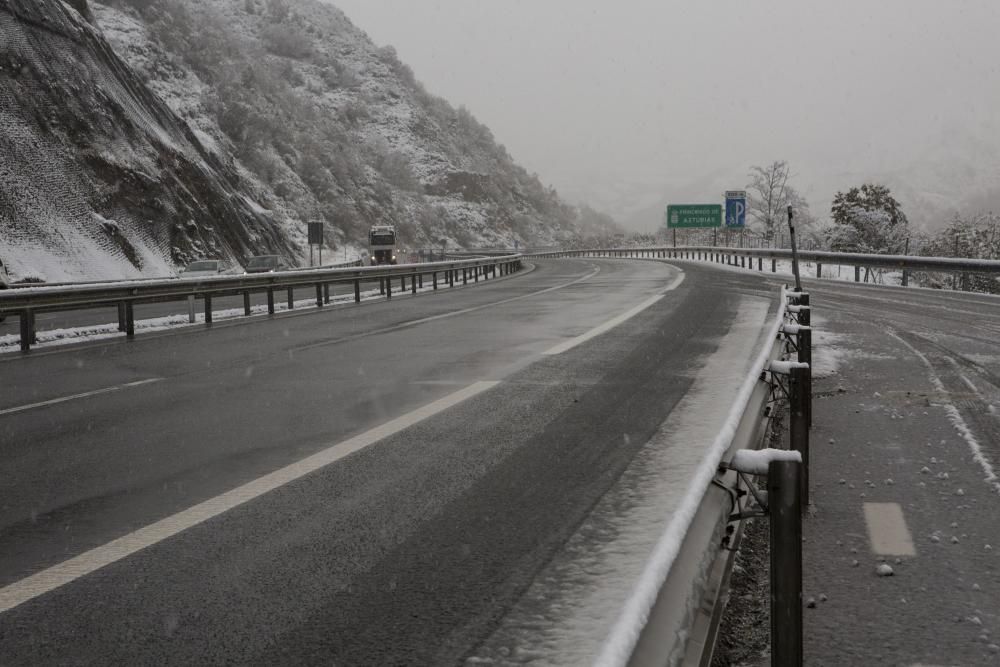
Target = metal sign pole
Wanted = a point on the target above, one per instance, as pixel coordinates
(795, 255)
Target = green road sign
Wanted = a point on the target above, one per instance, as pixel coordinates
(687, 216)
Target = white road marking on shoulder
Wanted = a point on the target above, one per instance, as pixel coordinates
(73, 397)
(887, 530)
(615, 321)
(59, 575)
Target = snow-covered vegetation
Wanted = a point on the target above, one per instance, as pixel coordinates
(327, 125)
(137, 135)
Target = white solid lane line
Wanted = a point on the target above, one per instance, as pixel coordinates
(86, 394)
(615, 321)
(59, 575)
(887, 530)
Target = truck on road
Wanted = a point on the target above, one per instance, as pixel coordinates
(382, 243)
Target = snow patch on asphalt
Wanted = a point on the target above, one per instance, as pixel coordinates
(589, 601)
(955, 417)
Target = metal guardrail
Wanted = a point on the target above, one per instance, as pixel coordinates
(906, 264)
(680, 622)
(26, 302)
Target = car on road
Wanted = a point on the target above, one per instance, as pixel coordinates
(204, 268)
(267, 264)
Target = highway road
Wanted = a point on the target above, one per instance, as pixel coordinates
(375, 484)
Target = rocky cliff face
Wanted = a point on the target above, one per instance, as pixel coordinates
(98, 176)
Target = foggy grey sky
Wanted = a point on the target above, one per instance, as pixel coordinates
(619, 101)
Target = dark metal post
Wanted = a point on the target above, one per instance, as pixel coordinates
(906, 277)
(465, 277)
(326, 292)
(388, 288)
(819, 270)
(774, 265)
(246, 304)
(27, 329)
(402, 283)
(291, 298)
(451, 277)
(413, 284)
(381, 285)
(270, 301)
(420, 279)
(799, 424)
(795, 254)
(785, 510)
(319, 295)
(208, 308)
(357, 290)
(121, 316)
(434, 279)
(475, 274)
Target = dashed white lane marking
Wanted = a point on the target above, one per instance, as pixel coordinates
(615, 321)
(887, 530)
(59, 575)
(86, 394)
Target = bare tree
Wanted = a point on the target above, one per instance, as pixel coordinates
(768, 195)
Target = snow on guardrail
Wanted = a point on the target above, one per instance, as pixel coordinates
(621, 642)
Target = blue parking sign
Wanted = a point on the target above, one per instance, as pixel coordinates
(736, 208)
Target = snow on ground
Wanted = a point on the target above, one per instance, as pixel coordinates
(571, 608)
(831, 350)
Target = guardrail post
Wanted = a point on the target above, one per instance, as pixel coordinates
(319, 295)
(774, 265)
(246, 304)
(465, 276)
(121, 316)
(413, 284)
(420, 279)
(760, 263)
(857, 274)
(906, 277)
(208, 308)
(388, 288)
(326, 292)
(190, 301)
(451, 277)
(798, 400)
(402, 283)
(27, 329)
(291, 298)
(434, 279)
(475, 274)
(270, 301)
(357, 290)
(785, 510)
(819, 270)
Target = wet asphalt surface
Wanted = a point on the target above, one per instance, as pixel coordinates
(407, 552)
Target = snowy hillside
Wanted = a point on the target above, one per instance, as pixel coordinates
(327, 125)
(136, 135)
